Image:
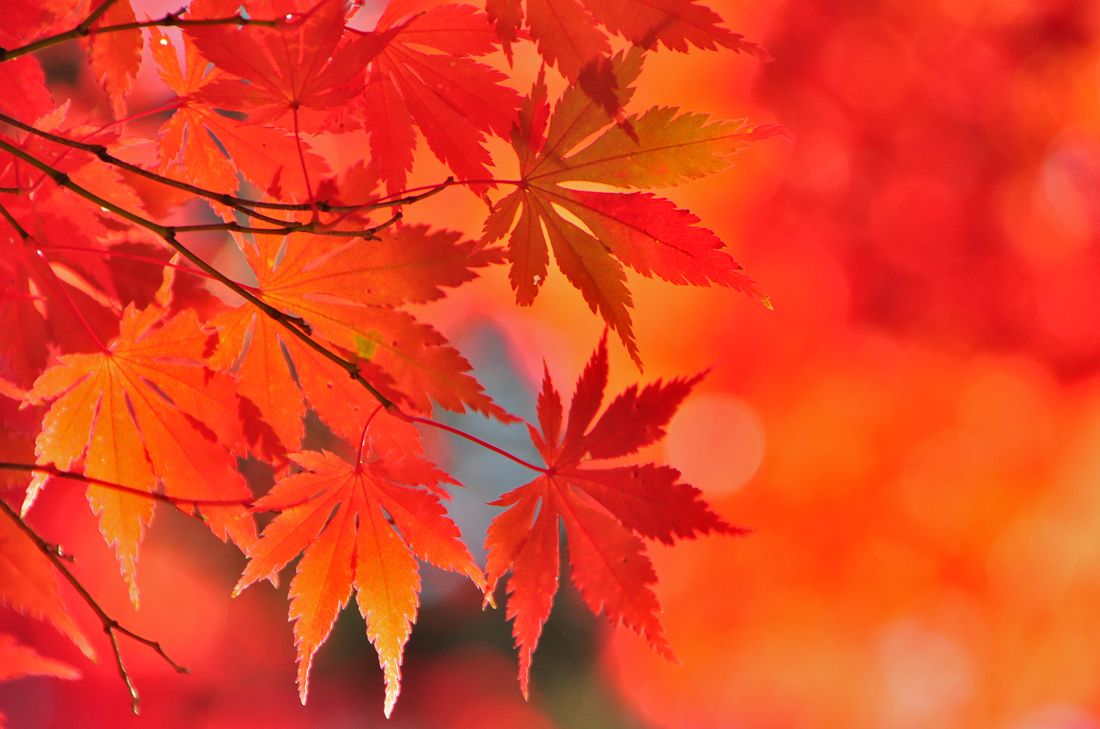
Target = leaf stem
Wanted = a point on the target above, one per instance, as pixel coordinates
(69, 299)
(74, 476)
(471, 438)
(363, 439)
(27, 238)
(302, 161)
(110, 625)
(243, 205)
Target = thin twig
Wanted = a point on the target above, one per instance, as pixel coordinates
(14, 223)
(74, 476)
(110, 625)
(240, 203)
(168, 234)
(136, 257)
(169, 20)
(60, 552)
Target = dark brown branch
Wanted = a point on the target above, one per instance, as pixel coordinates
(14, 223)
(169, 20)
(311, 227)
(168, 234)
(110, 625)
(240, 204)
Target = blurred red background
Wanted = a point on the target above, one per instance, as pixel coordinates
(913, 433)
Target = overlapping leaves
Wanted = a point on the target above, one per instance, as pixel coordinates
(593, 233)
(162, 394)
(141, 411)
(425, 76)
(569, 38)
(349, 295)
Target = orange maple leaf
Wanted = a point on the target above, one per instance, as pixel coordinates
(349, 295)
(359, 525)
(592, 233)
(569, 38)
(115, 57)
(210, 148)
(146, 410)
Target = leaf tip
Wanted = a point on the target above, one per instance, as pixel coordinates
(392, 672)
(303, 676)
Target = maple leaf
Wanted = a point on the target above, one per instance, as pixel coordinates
(348, 294)
(115, 57)
(33, 294)
(209, 147)
(26, 95)
(359, 525)
(568, 37)
(605, 510)
(451, 98)
(28, 584)
(64, 299)
(292, 76)
(146, 410)
(18, 660)
(591, 233)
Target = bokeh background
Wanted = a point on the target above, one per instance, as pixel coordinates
(913, 434)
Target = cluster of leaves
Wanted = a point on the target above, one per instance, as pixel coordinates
(130, 376)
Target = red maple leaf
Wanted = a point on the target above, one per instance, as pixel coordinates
(605, 510)
(115, 57)
(210, 148)
(292, 76)
(18, 660)
(359, 525)
(28, 584)
(453, 99)
(569, 38)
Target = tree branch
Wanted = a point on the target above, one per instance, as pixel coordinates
(292, 324)
(110, 625)
(243, 205)
(19, 229)
(239, 204)
(169, 20)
